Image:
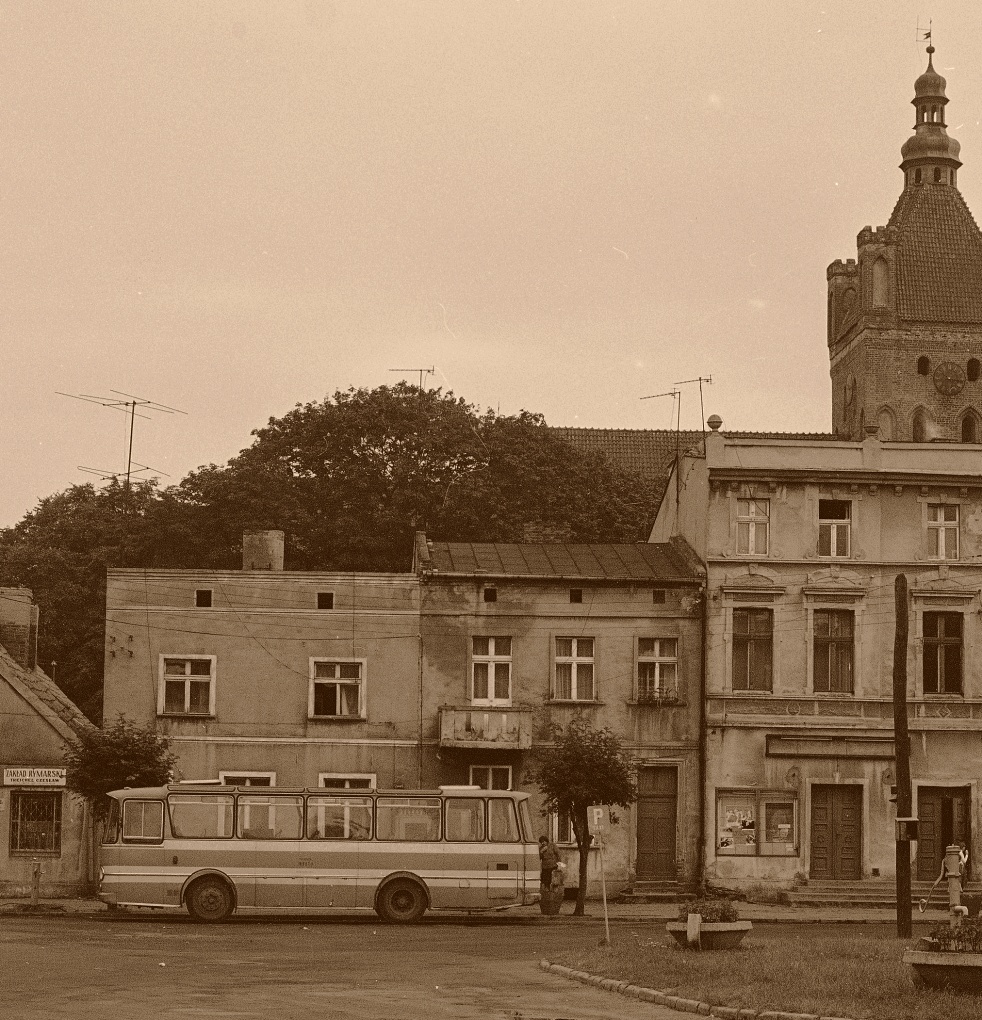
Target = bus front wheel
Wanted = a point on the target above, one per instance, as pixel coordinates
(401, 901)
(209, 900)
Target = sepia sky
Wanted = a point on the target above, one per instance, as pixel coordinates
(233, 206)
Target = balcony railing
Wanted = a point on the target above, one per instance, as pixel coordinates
(505, 728)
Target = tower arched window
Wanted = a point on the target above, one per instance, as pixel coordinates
(970, 428)
(937, 175)
(972, 369)
(918, 431)
(923, 365)
(887, 424)
(917, 176)
(881, 283)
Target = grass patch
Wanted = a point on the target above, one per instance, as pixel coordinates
(837, 970)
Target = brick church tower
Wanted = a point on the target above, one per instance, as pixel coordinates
(905, 316)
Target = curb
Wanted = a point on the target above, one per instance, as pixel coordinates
(676, 1002)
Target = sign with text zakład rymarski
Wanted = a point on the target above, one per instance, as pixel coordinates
(30, 776)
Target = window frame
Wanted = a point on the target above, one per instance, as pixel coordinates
(17, 823)
(204, 598)
(338, 681)
(491, 768)
(370, 777)
(163, 676)
(326, 597)
(492, 659)
(662, 693)
(938, 531)
(939, 643)
(832, 642)
(836, 527)
(748, 636)
(574, 660)
(758, 798)
(751, 522)
(223, 775)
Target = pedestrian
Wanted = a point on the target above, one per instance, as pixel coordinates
(548, 859)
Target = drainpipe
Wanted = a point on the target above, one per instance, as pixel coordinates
(703, 742)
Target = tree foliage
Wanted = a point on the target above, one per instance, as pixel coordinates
(120, 755)
(349, 479)
(583, 766)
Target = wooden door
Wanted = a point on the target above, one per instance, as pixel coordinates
(657, 810)
(943, 819)
(836, 832)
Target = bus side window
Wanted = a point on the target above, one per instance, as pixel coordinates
(270, 817)
(201, 815)
(143, 821)
(503, 823)
(110, 834)
(409, 819)
(339, 818)
(464, 819)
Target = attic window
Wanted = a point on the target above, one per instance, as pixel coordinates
(923, 365)
(576, 595)
(917, 176)
(202, 598)
(658, 596)
(972, 369)
(325, 600)
(490, 594)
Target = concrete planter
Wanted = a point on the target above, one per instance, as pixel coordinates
(960, 972)
(712, 934)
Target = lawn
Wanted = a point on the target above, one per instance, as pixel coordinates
(830, 970)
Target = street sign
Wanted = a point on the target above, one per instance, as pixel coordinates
(595, 820)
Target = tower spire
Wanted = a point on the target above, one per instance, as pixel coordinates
(929, 155)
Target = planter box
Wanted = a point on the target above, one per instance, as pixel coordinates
(712, 934)
(960, 972)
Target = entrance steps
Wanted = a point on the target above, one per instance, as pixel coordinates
(651, 892)
(875, 892)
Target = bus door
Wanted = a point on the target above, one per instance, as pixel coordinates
(506, 860)
(274, 826)
(332, 856)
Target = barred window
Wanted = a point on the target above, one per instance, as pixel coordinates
(35, 822)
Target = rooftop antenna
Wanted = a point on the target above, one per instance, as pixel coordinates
(128, 406)
(676, 396)
(708, 380)
(423, 372)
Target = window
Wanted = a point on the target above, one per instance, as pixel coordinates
(576, 595)
(143, 821)
(753, 644)
(970, 429)
(270, 817)
(833, 651)
(491, 671)
(502, 821)
(491, 777)
(413, 819)
(918, 428)
(942, 664)
(325, 600)
(352, 781)
(574, 670)
(248, 778)
(923, 365)
(187, 686)
(751, 823)
(561, 825)
(658, 596)
(201, 816)
(464, 819)
(658, 669)
(490, 594)
(339, 817)
(834, 523)
(35, 822)
(202, 598)
(972, 369)
(942, 531)
(336, 689)
(753, 521)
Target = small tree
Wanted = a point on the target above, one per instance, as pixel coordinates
(124, 754)
(582, 767)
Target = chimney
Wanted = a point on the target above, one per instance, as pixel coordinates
(19, 625)
(262, 550)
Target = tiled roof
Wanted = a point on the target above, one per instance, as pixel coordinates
(649, 453)
(641, 561)
(44, 690)
(939, 256)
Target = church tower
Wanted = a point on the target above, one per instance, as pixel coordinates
(905, 316)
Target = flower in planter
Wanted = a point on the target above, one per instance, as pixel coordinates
(712, 911)
(964, 938)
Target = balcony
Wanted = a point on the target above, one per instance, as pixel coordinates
(509, 729)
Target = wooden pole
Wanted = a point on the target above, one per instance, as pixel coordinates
(901, 744)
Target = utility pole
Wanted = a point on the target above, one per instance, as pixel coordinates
(901, 744)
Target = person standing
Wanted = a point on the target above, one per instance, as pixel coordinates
(548, 860)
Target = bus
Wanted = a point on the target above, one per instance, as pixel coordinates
(219, 850)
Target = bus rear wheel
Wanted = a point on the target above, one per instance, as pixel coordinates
(209, 900)
(401, 902)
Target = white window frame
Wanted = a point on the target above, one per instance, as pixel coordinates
(563, 835)
(747, 524)
(372, 778)
(663, 691)
(339, 661)
(574, 660)
(492, 659)
(840, 531)
(490, 768)
(938, 528)
(235, 773)
(163, 676)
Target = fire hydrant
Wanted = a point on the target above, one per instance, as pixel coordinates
(955, 859)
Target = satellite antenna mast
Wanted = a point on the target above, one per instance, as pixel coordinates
(128, 406)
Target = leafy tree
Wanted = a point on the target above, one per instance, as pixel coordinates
(124, 754)
(584, 766)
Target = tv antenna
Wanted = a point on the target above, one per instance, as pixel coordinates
(423, 373)
(708, 380)
(128, 404)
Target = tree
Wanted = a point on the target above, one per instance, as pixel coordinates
(124, 754)
(584, 766)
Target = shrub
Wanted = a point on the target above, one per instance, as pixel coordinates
(712, 911)
(965, 938)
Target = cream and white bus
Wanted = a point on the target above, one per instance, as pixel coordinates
(223, 849)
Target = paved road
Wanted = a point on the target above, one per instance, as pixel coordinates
(90, 967)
